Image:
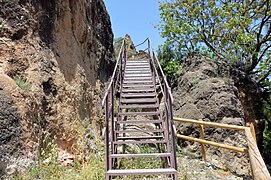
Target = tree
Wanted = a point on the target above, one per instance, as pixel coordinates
(235, 31)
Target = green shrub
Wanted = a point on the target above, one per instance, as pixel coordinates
(94, 170)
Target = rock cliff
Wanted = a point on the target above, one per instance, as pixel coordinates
(216, 92)
(55, 57)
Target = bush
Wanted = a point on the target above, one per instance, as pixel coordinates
(170, 62)
(94, 170)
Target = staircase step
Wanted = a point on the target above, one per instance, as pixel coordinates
(138, 75)
(152, 155)
(138, 101)
(137, 72)
(140, 131)
(133, 172)
(138, 78)
(137, 60)
(138, 121)
(140, 142)
(137, 64)
(139, 106)
(139, 86)
(137, 90)
(136, 69)
(137, 82)
(136, 85)
(138, 95)
(139, 113)
(139, 137)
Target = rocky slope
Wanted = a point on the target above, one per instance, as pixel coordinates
(60, 54)
(216, 92)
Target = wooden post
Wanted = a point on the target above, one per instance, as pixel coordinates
(252, 128)
(202, 144)
(258, 167)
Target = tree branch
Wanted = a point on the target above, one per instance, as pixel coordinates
(204, 38)
(264, 51)
(255, 59)
(264, 77)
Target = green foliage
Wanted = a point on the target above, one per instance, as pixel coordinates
(38, 121)
(49, 168)
(195, 81)
(138, 163)
(239, 33)
(94, 170)
(22, 83)
(170, 62)
(171, 67)
(48, 147)
(267, 132)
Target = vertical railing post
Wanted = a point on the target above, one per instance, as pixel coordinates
(149, 48)
(125, 54)
(172, 131)
(202, 144)
(120, 69)
(108, 166)
(112, 119)
(154, 75)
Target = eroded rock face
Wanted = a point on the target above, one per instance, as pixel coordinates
(216, 92)
(9, 129)
(63, 51)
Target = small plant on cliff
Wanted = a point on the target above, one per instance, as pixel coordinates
(195, 81)
(48, 147)
(22, 83)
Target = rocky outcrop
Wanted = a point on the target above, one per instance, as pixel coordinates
(62, 51)
(9, 129)
(216, 92)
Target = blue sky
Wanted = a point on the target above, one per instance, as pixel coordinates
(136, 18)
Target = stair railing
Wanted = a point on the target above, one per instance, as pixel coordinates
(108, 103)
(161, 80)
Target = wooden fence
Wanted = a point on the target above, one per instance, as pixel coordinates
(258, 167)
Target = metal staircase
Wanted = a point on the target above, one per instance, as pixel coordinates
(135, 119)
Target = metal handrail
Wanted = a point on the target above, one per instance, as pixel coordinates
(161, 70)
(116, 85)
(168, 98)
(108, 102)
(114, 72)
(163, 76)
